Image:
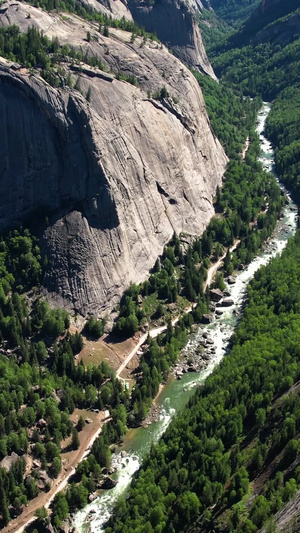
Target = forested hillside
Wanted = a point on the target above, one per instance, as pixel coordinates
(267, 63)
(233, 11)
(240, 428)
(41, 385)
(231, 459)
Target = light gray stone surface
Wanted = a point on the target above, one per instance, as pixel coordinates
(116, 176)
(174, 22)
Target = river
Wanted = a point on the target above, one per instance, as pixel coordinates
(176, 393)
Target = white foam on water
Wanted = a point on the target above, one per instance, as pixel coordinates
(95, 515)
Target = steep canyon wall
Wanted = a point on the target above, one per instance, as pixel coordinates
(115, 176)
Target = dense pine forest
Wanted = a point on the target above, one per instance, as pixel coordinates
(267, 65)
(241, 422)
(230, 460)
(41, 385)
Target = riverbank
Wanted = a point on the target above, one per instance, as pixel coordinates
(176, 393)
(93, 429)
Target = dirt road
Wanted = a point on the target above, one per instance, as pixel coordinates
(93, 430)
(71, 459)
(153, 333)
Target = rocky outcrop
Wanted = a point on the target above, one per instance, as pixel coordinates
(175, 24)
(111, 8)
(113, 177)
(173, 21)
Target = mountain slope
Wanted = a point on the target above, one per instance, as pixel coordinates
(233, 11)
(115, 176)
(264, 58)
(175, 24)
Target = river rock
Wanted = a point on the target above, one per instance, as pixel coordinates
(206, 319)
(227, 302)
(108, 483)
(231, 280)
(202, 342)
(219, 312)
(216, 295)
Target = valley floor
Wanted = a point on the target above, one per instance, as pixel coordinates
(94, 352)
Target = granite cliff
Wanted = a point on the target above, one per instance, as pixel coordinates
(115, 176)
(175, 23)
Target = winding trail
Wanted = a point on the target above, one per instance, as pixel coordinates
(153, 333)
(44, 499)
(245, 148)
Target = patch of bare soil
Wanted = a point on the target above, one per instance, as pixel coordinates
(105, 349)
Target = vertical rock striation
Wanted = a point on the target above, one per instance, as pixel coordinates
(175, 24)
(115, 176)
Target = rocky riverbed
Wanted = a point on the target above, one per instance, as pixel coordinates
(173, 397)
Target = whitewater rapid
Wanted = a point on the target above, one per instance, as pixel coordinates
(176, 393)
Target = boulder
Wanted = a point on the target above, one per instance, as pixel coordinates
(227, 302)
(215, 295)
(231, 280)
(108, 483)
(206, 319)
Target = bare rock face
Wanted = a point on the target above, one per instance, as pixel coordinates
(174, 22)
(112, 8)
(175, 25)
(115, 176)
